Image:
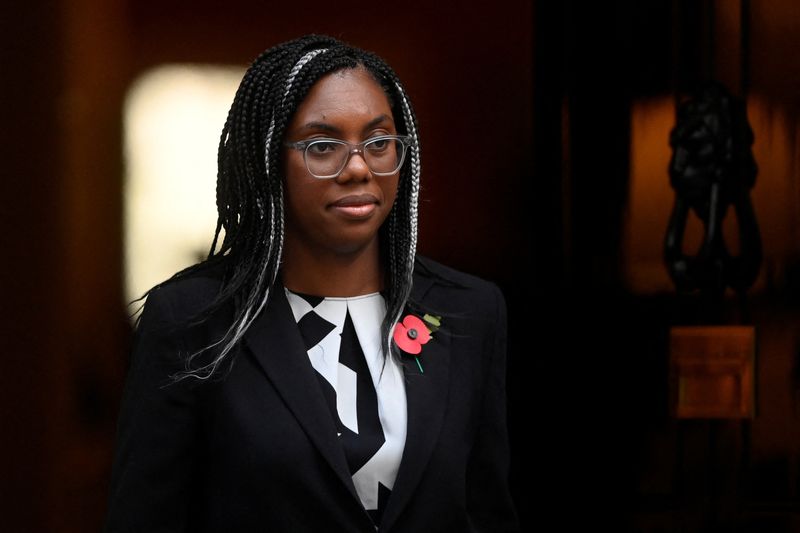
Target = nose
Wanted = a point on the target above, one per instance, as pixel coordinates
(356, 168)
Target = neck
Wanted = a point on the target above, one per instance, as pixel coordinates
(332, 274)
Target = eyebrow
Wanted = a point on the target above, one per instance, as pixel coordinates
(324, 126)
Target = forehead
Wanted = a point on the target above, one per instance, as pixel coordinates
(344, 95)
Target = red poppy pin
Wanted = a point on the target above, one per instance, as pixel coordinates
(412, 332)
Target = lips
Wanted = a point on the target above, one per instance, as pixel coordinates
(355, 206)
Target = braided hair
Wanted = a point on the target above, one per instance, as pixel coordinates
(250, 202)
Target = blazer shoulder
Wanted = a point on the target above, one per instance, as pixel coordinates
(445, 275)
(195, 290)
(444, 284)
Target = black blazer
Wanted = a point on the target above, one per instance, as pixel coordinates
(256, 450)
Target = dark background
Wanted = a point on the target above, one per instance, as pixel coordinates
(526, 112)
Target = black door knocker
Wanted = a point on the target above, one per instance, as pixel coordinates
(712, 168)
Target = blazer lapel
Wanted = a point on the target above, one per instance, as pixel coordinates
(426, 398)
(278, 347)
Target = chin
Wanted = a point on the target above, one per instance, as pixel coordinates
(352, 244)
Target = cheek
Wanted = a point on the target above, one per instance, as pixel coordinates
(389, 188)
(300, 189)
(293, 170)
(303, 197)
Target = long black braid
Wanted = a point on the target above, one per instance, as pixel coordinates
(250, 186)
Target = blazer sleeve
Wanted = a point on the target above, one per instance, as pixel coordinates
(154, 457)
(489, 502)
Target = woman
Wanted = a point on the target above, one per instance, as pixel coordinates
(313, 374)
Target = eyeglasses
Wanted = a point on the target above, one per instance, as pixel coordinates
(326, 158)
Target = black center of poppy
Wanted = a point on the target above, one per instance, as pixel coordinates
(412, 333)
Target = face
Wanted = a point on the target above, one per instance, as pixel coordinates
(339, 215)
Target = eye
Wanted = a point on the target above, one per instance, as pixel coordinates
(322, 147)
(379, 145)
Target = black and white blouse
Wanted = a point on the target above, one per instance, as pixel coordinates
(365, 391)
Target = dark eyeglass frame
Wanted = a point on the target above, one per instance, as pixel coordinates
(404, 140)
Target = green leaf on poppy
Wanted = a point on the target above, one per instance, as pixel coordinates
(434, 322)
